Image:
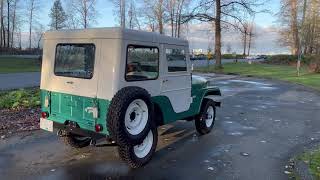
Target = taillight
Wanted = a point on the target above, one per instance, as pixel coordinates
(98, 127)
(44, 115)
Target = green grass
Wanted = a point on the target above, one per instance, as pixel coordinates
(312, 159)
(18, 64)
(280, 72)
(22, 98)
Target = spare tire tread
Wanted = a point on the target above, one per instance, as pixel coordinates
(116, 114)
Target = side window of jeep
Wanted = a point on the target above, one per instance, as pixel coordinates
(142, 63)
(177, 60)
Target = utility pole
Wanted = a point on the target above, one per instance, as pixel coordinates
(123, 14)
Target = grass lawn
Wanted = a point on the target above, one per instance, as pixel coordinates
(22, 98)
(286, 73)
(18, 64)
(313, 160)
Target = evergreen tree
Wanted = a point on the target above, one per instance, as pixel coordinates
(58, 16)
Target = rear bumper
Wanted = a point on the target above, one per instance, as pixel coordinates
(74, 129)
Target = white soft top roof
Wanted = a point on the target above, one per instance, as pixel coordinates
(113, 33)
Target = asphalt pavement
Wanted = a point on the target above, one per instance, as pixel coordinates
(19, 80)
(260, 126)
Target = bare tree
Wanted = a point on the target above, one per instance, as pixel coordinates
(175, 9)
(251, 36)
(3, 33)
(84, 11)
(126, 13)
(244, 36)
(155, 10)
(218, 43)
(13, 21)
(294, 25)
(38, 35)
(221, 12)
(8, 23)
(300, 23)
(289, 23)
(33, 7)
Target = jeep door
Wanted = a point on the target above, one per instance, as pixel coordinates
(176, 80)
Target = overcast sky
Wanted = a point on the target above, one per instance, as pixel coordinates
(266, 41)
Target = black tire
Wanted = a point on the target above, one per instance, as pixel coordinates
(200, 120)
(127, 153)
(116, 115)
(76, 141)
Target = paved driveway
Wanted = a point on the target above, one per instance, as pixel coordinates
(260, 125)
(19, 80)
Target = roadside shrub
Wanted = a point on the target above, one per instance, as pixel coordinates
(231, 56)
(314, 64)
(20, 99)
(281, 60)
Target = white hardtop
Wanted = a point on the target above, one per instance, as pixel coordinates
(114, 33)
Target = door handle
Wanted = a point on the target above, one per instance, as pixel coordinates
(70, 82)
(164, 81)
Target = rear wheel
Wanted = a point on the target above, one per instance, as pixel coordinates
(205, 120)
(76, 141)
(139, 155)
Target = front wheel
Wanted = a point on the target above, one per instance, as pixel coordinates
(205, 120)
(139, 155)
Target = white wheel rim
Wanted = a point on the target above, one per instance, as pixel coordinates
(209, 116)
(143, 149)
(136, 117)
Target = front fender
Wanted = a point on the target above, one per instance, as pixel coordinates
(213, 93)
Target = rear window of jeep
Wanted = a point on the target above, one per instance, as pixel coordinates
(75, 60)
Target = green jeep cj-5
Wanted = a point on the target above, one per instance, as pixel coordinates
(120, 85)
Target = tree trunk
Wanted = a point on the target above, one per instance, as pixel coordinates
(13, 23)
(294, 27)
(160, 16)
(30, 23)
(218, 35)
(172, 20)
(20, 39)
(85, 15)
(123, 14)
(249, 43)
(8, 23)
(244, 43)
(1, 24)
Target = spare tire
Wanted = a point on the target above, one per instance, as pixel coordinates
(130, 115)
